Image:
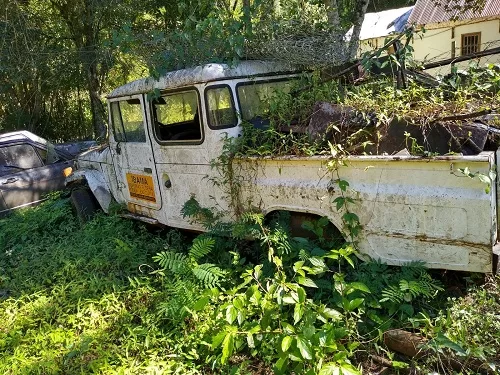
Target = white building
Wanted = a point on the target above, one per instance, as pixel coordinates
(448, 33)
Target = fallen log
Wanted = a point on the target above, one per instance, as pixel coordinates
(413, 345)
(405, 342)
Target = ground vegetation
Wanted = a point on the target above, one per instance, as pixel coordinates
(112, 296)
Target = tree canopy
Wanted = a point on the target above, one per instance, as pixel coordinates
(59, 57)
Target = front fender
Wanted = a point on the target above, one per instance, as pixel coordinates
(97, 184)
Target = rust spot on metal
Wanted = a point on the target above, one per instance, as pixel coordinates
(139, 210)
(440, 241)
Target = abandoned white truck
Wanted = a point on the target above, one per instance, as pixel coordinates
(160, 148)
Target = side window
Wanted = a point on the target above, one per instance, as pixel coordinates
(220, 108)
(128, 123)
(116, 119)
(43, 154)
(19, 157)
(177, 117)
(255, 98)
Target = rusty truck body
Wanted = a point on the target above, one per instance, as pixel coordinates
(164, 133)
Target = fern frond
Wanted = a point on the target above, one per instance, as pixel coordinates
(393, 294)
(208, 275)
(202, 246)
(252, 218)
(180, 295)
(304, 255)
(169, 260)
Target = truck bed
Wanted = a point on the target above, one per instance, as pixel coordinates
(410, 208)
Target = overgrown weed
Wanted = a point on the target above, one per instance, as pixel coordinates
(90, 300)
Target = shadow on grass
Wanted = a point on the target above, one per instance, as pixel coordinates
(78, 301)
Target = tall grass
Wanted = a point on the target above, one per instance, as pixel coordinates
(78, 299)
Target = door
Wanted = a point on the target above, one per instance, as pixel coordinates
(132, 154)
(187, 142)
(25, 177)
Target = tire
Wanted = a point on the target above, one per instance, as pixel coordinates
(84, 204)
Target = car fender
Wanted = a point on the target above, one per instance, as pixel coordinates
(96, 183)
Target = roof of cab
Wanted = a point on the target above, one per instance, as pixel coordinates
(203, 74)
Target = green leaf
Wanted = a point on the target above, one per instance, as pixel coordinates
(317, 262)
(200, 304)
(289, 300)
(286, 342)
(255, 328)
(339, 202)
(280, 365)
(288, 328)
(350, 218)
(323, 221)
(483, 178)
(250, 342)
(331, 313)
(297, 266)
(301, 294)
(227, 347)
(298, 311)
(306, 282)
(309, 331)
(407, 309)
(355, 303)
(308, 225)
(443, 341)
(239, 302)
(359, 286)
(231, 314)
(217, 340)
(329, 369)
(266, 319)
(304, 348)
(343, 184)
(348, 369)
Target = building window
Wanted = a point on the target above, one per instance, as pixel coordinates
(471, 43)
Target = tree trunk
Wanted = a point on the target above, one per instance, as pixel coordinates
(346, 50)
(96, 105)
(337, 32)
(361, 6)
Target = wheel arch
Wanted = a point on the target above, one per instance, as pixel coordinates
(96, 182)
(336, 221)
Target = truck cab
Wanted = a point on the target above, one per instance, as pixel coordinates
(164, 133)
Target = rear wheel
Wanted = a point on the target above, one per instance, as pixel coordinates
(84, 204)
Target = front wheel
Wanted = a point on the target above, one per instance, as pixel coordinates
(84, 204)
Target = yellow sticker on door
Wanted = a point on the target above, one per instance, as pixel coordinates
(141, 187)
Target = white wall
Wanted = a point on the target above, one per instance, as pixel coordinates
(436, 43)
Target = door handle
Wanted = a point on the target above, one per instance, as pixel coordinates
(10, 180)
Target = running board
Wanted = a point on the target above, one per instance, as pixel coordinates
(144, 219)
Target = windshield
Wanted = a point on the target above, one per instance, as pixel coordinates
(255, 98)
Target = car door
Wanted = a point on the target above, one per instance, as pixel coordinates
(24, 176)
(133, 159)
